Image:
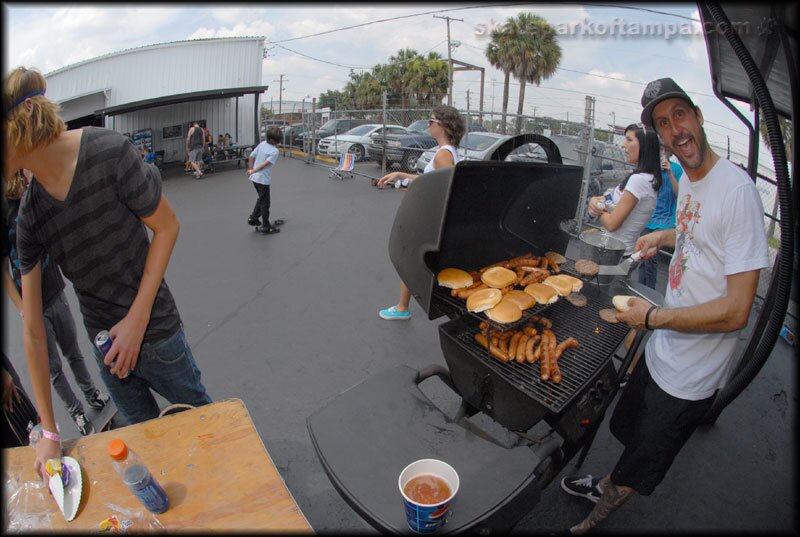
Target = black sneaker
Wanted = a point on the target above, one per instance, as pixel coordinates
(84, 426)
(268, 229)
(98, 399)
(584, 486)
(253, 221)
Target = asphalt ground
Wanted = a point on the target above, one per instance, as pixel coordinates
(286, 322)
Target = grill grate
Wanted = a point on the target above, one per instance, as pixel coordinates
(577, 365)
(442, 294)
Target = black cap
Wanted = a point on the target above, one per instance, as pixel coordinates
(657, 91)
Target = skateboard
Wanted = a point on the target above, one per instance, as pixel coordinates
(103, 419)
(275, 223)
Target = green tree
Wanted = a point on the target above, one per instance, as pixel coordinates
(363, 90)
(332, 99)
(429, 79)
(533, 50)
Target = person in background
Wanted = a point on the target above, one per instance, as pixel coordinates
(219, 148)
(19, 414)
(447, 127)
(720, 249)
(227, 145)
(259, 170)
(195, 146)
(636, 195)
(101, 240)
(58, 321)
(664, 213)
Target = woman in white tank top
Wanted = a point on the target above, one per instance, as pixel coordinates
(447, 126)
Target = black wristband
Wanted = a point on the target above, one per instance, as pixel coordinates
(647, 317)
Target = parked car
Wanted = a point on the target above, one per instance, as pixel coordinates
(406, 148)
(473, 146)
(355, 140)
(291, 134)
(333, 126)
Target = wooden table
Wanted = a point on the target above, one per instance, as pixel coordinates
(210, 460)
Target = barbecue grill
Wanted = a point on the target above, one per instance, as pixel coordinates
(470, 216)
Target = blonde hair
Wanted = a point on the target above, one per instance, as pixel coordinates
(26, 130)
(15, 186)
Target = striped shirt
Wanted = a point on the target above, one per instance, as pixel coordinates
(96, 235)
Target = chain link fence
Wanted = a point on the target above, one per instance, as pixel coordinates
(382, 153)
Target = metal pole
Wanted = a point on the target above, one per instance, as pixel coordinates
(587, 142)
(313, 153)
(480, 105)
(449, 60)
(385, 140)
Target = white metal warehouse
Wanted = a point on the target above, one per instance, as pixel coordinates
(153, 92)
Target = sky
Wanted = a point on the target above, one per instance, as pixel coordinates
(601, 55)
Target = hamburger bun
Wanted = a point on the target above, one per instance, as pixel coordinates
(483, 300)
(454, 278)
(520, 298)
(563, 287)
(498, 277)
(555, 257)
(506, 311)
(621, 302)
(544, 294)
(576, 283)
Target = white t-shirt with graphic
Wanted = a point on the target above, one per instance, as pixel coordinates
(719, 226)
(640, 185)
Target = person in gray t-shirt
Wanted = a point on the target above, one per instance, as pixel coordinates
(90, 206)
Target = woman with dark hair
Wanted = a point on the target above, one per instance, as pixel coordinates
(634, 198)
(447, 126)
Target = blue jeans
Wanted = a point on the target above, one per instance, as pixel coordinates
(59, 326)
(648, 269)
(166, 366)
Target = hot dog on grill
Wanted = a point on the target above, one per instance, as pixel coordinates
(493, 350)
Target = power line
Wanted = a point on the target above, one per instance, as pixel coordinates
(396, 18)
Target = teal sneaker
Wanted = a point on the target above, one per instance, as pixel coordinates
(393, 314)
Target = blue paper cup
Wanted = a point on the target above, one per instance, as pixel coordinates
(427, 518)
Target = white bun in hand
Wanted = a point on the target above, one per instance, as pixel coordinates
(621, 302)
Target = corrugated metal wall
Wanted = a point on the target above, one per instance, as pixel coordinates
(160, 70)
(220, 116)
(170, 69)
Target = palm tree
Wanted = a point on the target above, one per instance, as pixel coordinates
(532, 45)
(429, 79)
(499, 58)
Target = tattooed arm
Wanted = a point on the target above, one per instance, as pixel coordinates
(612, 499)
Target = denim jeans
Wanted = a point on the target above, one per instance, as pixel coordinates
(261, 208)
(60, 329)
(648, 269)
(166, 366)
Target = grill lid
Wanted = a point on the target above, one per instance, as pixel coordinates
(477, 213)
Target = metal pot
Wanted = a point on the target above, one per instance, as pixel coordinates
(601, 247)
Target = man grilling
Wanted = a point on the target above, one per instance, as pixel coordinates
(720, 247)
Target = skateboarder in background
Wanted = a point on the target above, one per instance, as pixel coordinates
(58, 321)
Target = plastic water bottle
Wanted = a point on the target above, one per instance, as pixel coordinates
(137, 477)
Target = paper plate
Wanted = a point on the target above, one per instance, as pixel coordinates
(68, 498)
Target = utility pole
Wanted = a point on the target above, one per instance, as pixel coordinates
(468, 99)
(280, 95)
(449, 59)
